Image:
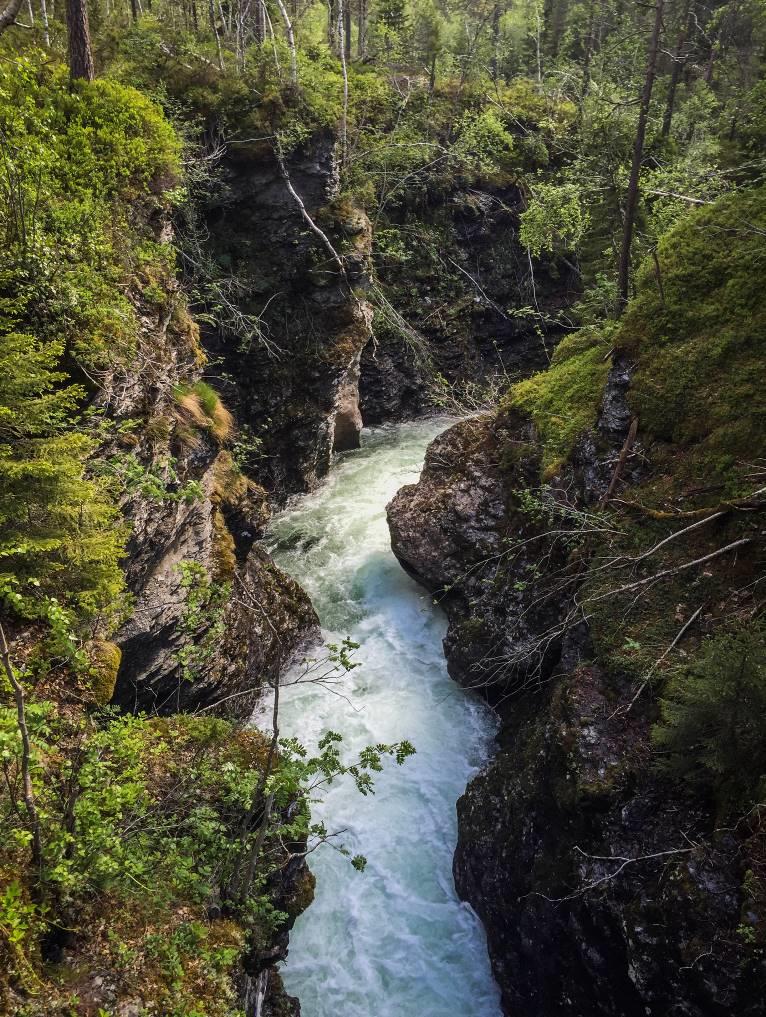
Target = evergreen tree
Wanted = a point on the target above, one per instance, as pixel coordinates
(712, 734)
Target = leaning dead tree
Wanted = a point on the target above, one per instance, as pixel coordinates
(8, 16)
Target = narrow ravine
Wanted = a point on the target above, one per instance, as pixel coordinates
(393, 941)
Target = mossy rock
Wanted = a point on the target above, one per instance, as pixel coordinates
(303, 894)
(698, 342)
(105, 658)
(563, 401)
(230, 484)
(224, 557)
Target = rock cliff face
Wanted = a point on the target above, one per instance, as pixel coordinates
(604, 890)
(458, 278)
(296, 388)
(213, 620)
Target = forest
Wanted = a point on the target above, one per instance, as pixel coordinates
(233, 234)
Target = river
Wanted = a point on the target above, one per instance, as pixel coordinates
(394, 940)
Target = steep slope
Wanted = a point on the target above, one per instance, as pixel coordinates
(597, 543)
(129, 580)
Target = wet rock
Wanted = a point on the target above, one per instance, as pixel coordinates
(604, 892)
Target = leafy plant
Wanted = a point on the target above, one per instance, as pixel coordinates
(202, 621)
(712, 733)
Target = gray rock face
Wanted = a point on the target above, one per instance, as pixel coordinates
(347, 423)
(604, 892)
(213, 618)
(297, 390)
(242, 639)
(465, 271)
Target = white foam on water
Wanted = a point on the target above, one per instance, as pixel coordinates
(393, 941)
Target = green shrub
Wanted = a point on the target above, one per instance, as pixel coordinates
(59, 529)
(83, 171)
(712, 733)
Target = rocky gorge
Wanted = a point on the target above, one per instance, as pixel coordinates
(296, 395)
(580, 863)
(604, 888)
(250, 276)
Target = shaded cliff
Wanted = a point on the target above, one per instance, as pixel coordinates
(593, 542)
(293, 386)
(213, 619)
(460, 306)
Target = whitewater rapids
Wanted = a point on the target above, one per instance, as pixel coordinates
(393, 941)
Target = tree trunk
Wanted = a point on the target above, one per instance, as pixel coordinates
(343, 49)
(495, 63)
(675, 74)
(361, 38)
(290, 42)
(260, 21)
(710, 63)
(538, 42)
(80, 52)
(347, 29)
(46, 24)
(216, 33)
(8, 16)
(631, 202)
(332, 25)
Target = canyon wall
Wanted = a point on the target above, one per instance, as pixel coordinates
(580, 545)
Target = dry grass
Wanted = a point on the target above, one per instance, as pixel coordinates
(199, 407)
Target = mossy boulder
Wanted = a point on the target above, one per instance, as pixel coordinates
(105, 658)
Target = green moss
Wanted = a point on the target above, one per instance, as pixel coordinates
(105, 659)
(207, 396)
(471, 629)
(224, 558)
(303, 894)
(563, 401)
(699, 344)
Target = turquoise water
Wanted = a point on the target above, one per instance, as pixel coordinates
(393, 941)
